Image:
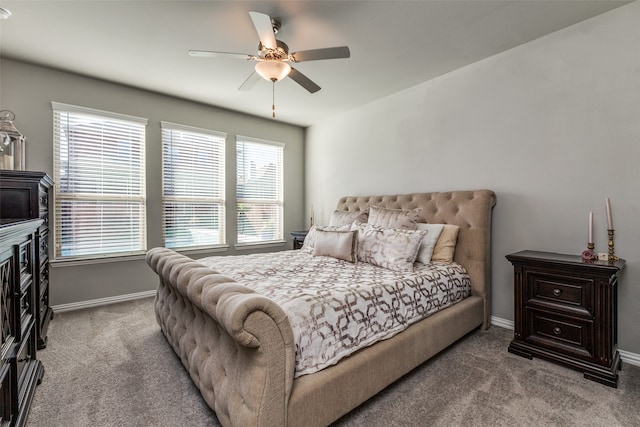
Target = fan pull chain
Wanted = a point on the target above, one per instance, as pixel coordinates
(273, 99)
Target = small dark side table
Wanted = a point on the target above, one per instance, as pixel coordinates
(298, 238)
(566, 311)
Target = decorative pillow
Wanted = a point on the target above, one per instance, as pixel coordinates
(337, 244)
(310, 239)
(394, 218)
(446, 245)
(390, 248)
(339, 218)
(428, 241)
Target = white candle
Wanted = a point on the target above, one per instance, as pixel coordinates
(609, 222)
(590, 227)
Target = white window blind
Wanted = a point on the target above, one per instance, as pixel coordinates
(259, 190)
(193, 186)
(99, 166)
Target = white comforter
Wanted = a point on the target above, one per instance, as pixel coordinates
(336, 307)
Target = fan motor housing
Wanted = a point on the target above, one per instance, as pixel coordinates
(279, 53)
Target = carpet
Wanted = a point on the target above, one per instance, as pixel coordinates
(111, 366)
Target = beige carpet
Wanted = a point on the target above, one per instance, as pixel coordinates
(111, 366)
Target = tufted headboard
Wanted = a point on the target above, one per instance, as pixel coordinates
(470, 210)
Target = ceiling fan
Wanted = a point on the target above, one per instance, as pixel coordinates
(273, 56)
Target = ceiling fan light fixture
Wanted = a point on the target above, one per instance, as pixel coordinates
(4, 13)
(273, 70)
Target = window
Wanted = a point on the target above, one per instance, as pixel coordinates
(193, 186)
(259, 190)
(100, 183)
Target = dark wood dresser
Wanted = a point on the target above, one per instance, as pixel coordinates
(26, 195)
(566, 311)
(20, 371)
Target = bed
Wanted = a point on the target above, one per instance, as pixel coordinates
(239, 347)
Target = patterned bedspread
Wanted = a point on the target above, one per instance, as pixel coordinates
(336, 307)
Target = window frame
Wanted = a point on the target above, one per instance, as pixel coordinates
(220, 201)
(279, 239)
(138, 199)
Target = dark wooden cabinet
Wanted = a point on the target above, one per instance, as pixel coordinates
(26, 195)
(20, 370)
(566, 312)
(298, 238)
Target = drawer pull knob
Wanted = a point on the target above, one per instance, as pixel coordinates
(557, 292)
(557, 330)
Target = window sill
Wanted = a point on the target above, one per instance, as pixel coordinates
(70, 262)
(201, 250)
(256, 245)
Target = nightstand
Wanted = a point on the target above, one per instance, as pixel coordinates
(566, 311)
(298, 238)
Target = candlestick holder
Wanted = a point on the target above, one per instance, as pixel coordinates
(612, 257)
(589, 255)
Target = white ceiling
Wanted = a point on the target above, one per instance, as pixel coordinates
(394, 44)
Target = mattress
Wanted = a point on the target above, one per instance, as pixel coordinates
(336, 307)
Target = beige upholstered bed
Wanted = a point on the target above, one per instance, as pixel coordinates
(237, 345)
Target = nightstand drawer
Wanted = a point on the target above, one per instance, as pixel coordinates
(559, 333)
(573, 294)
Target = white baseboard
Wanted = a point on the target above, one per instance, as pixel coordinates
(630, 358)
(503, 323)
(101, 301)
(626, 356)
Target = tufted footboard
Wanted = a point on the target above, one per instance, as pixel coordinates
(236, 344)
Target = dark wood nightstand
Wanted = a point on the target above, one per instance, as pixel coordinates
(566, 311)
(298, 238)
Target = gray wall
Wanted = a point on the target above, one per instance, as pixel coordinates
(28, 90)
(552, 126)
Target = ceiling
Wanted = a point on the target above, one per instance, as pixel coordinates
(394, 44)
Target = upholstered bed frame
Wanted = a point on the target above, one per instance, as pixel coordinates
(238, 345)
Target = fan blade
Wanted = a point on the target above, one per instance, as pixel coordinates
(303, 81)
(250, 82)
(317, 54)
(210, 54)
(264, 28)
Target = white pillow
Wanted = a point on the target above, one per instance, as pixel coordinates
(428, 241)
